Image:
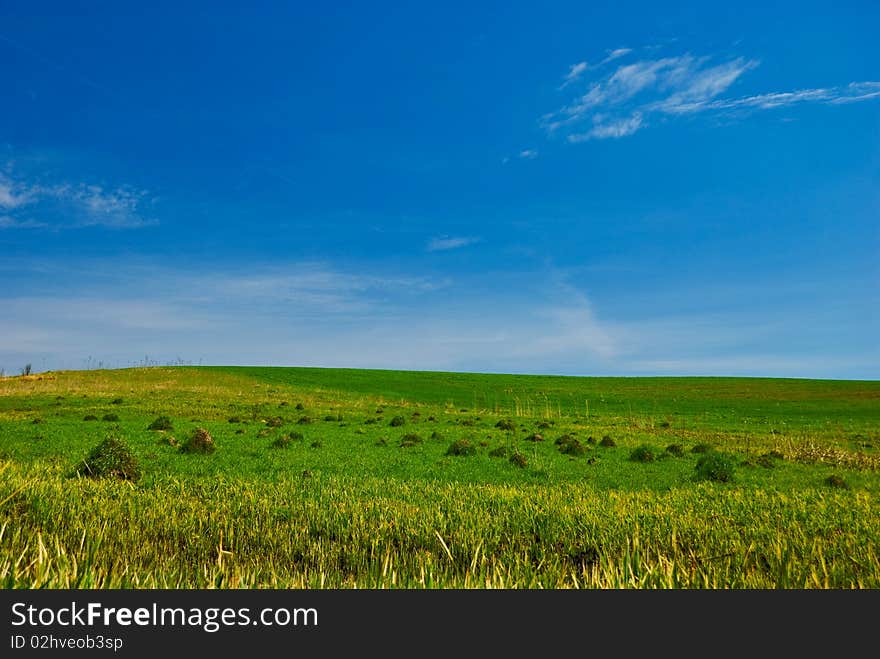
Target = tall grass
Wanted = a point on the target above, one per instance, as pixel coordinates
(58, 532)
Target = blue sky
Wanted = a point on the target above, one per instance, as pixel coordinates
(573, 188)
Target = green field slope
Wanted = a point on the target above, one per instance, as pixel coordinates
(358, 478)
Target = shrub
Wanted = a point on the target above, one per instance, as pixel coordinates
(116, 401)
(607, 442)
(316, 444)
(505, 424)
(274, 422)
(461, 447)
(300, 406)
(303, 420)
(410, 439)
(535, 437)
(836, 481)
(519, 460)
(234, 419)
(296, 437)
(199, 442)
(675, 449)
(500, 452)
(701, 448)
(110, 459)
(715, 466)
(90, 417)
(111, 417)
(436, 435)
(161, 423)
(397, 421)
(643, 453)
(569, 445)
(281, 442)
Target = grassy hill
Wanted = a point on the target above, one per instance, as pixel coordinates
(342, 478)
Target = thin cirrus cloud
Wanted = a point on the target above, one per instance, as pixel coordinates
(26, 203)
(447, 243)
(620, 102)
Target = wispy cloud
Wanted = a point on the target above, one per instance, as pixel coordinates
(31, 203)
(445, 243)
(609, 128)
(528, 154)
(619, 102)
(574, 74)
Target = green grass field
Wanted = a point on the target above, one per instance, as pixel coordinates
(352, 478)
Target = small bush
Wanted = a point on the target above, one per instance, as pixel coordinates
(714, 466)
(397, 421)
(116, 401)
(505, 424)
(234, 419)
(410, 439)
(90, 417)
(836, 481)
(239, 431)
(701, 448)
(281, 442)
(110, 459)
(161, 423)
(317, 444)
(500, 452)
(369, 421)
(274, 422)
(766, 460)
(38, 421)
(436, 435)
(569, 445)
(519, 460)
(543, 425)
(110, 417)
(643, 453)
(461, 447)
(675, 449)
(778, 455)
(591, 440)
(300, 406)
(296, 437)
(303, 420)
(535, 437)
(199, 442)
(607, 442)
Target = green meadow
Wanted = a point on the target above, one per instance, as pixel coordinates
(339, 478)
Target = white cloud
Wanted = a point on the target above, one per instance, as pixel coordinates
(611, 129)
(617, 53)
(619, 101)
(441, 244)
(7, 222)
(573, 74)
(11, 196)
(32, 203)
(528, 154)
